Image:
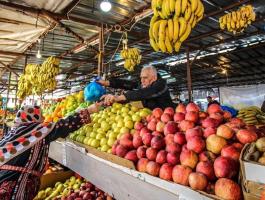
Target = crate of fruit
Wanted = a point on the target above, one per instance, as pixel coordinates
(252, 160)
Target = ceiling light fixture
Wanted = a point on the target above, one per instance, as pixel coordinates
(105, 6)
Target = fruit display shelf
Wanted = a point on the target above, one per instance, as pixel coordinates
(119, 181)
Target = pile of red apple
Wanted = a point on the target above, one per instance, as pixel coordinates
(189, 147)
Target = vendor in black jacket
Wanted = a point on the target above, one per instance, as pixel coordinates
(153, 91)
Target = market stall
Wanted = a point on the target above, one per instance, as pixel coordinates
(53, 54)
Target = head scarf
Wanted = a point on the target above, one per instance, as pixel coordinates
(29, 129)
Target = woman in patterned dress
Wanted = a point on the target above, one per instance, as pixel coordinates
(24, 150)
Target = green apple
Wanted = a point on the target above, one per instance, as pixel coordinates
(117, 130)
(93, 134)
(114, 125)
(88, 134)
(134, 109)
(82, 132)
(136, 118)
(118, 118)
(109, 151)
(125, 110)
(127, 118)
(105, 126)
(100, 136)
(96, 126)
(86, 140)
(95, 143)
(88, 128)
(111, 141)
(124, 130)
(100, 130)
(119, 135)
(114, 110)
(89, 141)
(120, 124)
(127, 105)
(105, 148)
(131, 112)
(129, 124)
(113, 135)
(117, 106)
(144, 113)
(103, 141)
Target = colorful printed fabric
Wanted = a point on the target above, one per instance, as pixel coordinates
(19, 139)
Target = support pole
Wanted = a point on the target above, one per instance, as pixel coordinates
(189, 75)
(7, 98)
(101, 46)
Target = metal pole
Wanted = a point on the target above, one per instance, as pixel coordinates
(7, 98)
(189, 75)
(100, 56)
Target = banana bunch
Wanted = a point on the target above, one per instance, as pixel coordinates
(237, 21)
(252, 115)
(172, 23)
(38, 78)
(132, 58)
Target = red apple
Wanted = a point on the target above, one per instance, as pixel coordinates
(155, 133)
(180, 174)
(181, 108)
(218, 117)
(225, 132)
(214, 108)
(169, 139)
(209, 131)
(127, 143)
(246, 136)
(161, 157)
(207, 156)
(238, 145)
(114, 146)
(236, 122)
(185, 125)
(206, 168)
(227, 115)
(225, 167)
(147, 137)
(126, 136)
(192, 116)
(170, 128)
(203, 115)
(160, 126)
(157, 113)
(178, 117)
(166, 118)
(121, 151)
(189, 158)
(169, 110)
(137, 141)
(227, 189)
(230, 151)
(143, 131)
(173, 159)
(141, 164)
(152, 168)
(196, 144)
(151, 153)
(198, 181)
(209, 122)
(166, 172)
(173, 148)
(141, 152)
(190, 133)
(179, 138)
(192, 107)
(138, 126)
(215, 143)
(157, 142)
(151, 125)
(132, 156)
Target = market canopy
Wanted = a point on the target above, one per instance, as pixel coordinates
(70, 30)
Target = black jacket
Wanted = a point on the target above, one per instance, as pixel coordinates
(156, 95)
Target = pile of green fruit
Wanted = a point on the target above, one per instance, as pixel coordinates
(252, 115)
(109, 125)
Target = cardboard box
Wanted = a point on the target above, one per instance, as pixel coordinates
(252, 171)
(107, 156)
(253, 188)
(49, 180)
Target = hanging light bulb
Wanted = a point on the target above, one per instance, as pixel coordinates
(105, 6)
(38, 55)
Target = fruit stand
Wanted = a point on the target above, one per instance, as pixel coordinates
(127, 151)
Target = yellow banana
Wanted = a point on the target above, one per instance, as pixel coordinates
(199, 7)
(155, 29)
(199, 18)
(177, 46)
(237, 24)
(253, 16)
(176, 29)
(234, 16)
(177, 8)
(233, 25)
(187, 13)
(168, 45)
(186, 34)
(162, 46)
(162, 28)
(182, 26)
(238, 15)
(161, 14)
(154, 45)
(170, 26)
(153, 20)
(164, 9)
(201, 11)
(184, 5)
(194, 5)
(172, 5)
(242, 23)
(153, 4)
(159, 4)
(167, 7)
(192, 18)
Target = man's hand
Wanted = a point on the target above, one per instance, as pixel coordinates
(110, 99)
(104, 83)
(94, 108)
